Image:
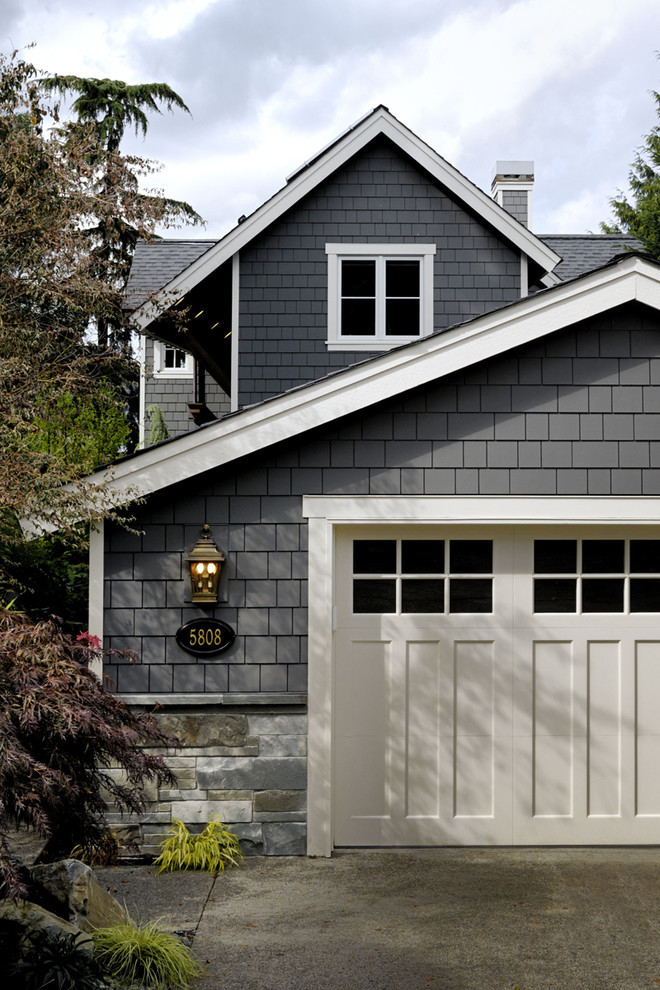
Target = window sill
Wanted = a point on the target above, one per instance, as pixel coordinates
(375, 344)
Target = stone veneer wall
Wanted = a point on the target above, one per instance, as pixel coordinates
(247, 768)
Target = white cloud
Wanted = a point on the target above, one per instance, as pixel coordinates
(271, 81)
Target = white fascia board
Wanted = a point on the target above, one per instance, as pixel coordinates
(361, 386)
(545, 510)
(378, 123)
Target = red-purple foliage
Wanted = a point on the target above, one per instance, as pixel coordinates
(60, 731)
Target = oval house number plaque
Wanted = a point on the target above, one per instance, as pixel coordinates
(204, 637)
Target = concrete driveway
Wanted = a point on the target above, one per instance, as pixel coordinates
(464, 919)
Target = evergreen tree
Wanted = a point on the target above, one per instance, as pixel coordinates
(638, 214)
(111, 106)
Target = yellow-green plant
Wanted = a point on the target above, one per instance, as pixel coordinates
(145, 955)
(212, 850)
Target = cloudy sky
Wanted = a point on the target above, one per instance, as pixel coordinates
(566, 83)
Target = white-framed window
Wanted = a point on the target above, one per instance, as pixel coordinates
(171, 361)
(379, 295)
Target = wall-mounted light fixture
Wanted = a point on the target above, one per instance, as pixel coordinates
(205, 561)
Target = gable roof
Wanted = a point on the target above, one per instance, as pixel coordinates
(379, 122)
(631, 278)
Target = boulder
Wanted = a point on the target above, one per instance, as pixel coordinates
(25, 915)
(70, 889)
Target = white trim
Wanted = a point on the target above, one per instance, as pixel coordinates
(377, 123)
(325, 512)
(362, 385)
(524, 276)
(142, 398)
(160, 371)
(337, 253)
(235, 328)
(96, 565)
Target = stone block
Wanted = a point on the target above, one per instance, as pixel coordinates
(202, 730)
(251, 838)
(285, 838)
(274, 725)
(279, 801)
(255, 773)
(200, 812)
(281, 745)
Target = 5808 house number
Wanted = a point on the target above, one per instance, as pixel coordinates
(204, 637)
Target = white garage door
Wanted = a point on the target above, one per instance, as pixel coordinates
(496, 686)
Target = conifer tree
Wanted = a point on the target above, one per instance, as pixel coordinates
(638, 213)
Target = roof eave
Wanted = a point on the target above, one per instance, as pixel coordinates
(362, 385)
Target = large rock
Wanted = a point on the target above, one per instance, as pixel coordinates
(26, 915)
(70, 889)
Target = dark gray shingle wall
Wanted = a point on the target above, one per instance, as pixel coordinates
(577, 413)
(378, 197)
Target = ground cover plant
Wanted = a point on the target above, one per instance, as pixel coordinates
(214, 849)
(144, 955)
(55, 960)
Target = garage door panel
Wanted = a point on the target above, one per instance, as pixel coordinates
(474, 722)
(605, 728)
(362, 753)
(647, 735)
(426, 711)
(513, 726)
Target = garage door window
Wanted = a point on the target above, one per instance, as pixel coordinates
(583, 576)
(422, 576)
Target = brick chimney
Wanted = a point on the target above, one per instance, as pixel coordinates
(512, 189)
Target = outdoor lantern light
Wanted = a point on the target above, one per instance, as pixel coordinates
(205, 561)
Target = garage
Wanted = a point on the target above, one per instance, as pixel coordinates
(495, 684)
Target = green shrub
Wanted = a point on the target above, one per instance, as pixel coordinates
(144, 955)
(212, 850)
(55, 960)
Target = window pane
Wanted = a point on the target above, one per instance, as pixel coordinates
(374, 556)
(605, 595)
(358, 317)
(471, 556)
(419, 595)
(174, 358)
(603, 556)
(645, 595)
(555, 594)
(374, 596)
(467, 595)
(422, 556)
(645, 556)
(358, 278)
(555, 557)
(401, 317)
(402, 278)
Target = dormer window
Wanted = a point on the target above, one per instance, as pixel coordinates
(379, 295)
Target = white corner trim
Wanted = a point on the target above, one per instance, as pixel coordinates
(142, 399)
(319, 688)
(235, 329)
(96, 576)
(524, 276)
(325, 512)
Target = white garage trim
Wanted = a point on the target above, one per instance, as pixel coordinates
(326, 512)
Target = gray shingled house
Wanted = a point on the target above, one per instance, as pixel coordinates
(429, 454)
